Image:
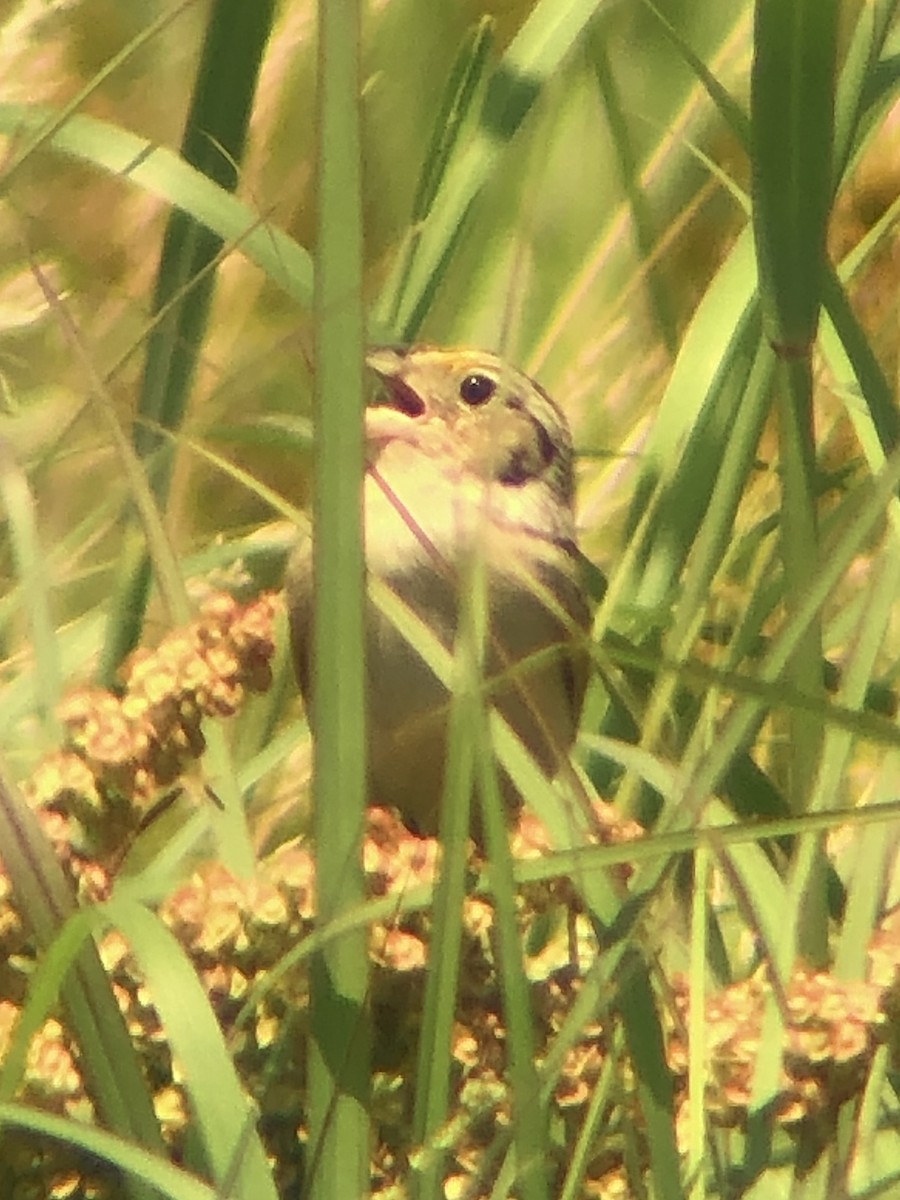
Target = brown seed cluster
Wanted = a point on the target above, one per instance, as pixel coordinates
(124, 748)
(830, 1030)
(236, 930)
(142, 741)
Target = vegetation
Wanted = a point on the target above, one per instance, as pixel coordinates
(679, 217)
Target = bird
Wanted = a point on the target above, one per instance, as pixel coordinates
(466, 457)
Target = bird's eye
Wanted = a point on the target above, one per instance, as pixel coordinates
(476, 389)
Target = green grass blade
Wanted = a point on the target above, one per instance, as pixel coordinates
(339, 1047)
(47, 126)
(435, 1064)
(792, 103)
(841, 553)
(646, 1044)
(793, 84)
(549, 33)
(222, 1116)
(213, 143)
(164, 174)
(864, 80)
(455, 114)
(43, 895)
(731, 111)
(18, 504)
(646, 236)
(860, 357)
(530, 1125)
(718, 321)
(150, 1173)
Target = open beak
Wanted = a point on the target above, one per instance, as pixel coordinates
(387, 362)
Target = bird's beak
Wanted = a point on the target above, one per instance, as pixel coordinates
(388, 362)
(385, 361)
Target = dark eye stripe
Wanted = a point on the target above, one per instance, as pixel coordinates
(477, 389)
(548, 448)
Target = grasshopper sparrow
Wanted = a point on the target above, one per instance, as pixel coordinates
(466, 455)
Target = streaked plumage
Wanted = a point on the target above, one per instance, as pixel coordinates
(466, 455)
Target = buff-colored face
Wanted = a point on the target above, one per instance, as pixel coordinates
(471, 407)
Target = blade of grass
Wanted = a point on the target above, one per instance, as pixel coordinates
(339, 1049)
(549, 33)
(164, 174)
(31, 567)
(793, 83)
(645, 235)
(719, 457)
(150, 1173)
(732, 113)
(456, 112)
(656, 178)
(213, 143)
(646, 1045)
(43, 896)
(222, 1116)
(848, 349)
(530, 1125)
(792, 98)
(861, 84)
(698, 375)
(696, 1031)
(435, 1062)
(234, 840)
(49, 123)
(702, 777)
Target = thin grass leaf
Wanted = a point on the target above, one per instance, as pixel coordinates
(223, 1117)
(719, 322)
(865, 81)
(855, 355)
(433, 1077)
(881, 84)
(30, 563)
(46, 129)
(339, 1041)
(696, 1031)
(792, 104)
(148, 1175)
(162, 173)
(167, 567)
(793, 84)
(43, 996)
(593, 860)
(694, 524)
(696, 516)
(799, 549)
(872, 1166)
(663, 165)
(233, 836)
(600, 1103)
(873, 856)
(455, 114)
(213, 142)
(530, 1133)
(846, 544)
(732, 113)
(653, 1082)
(547, 36)
(640, 213)
(112, 1074)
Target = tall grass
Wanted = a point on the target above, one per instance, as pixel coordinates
(679, 216)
